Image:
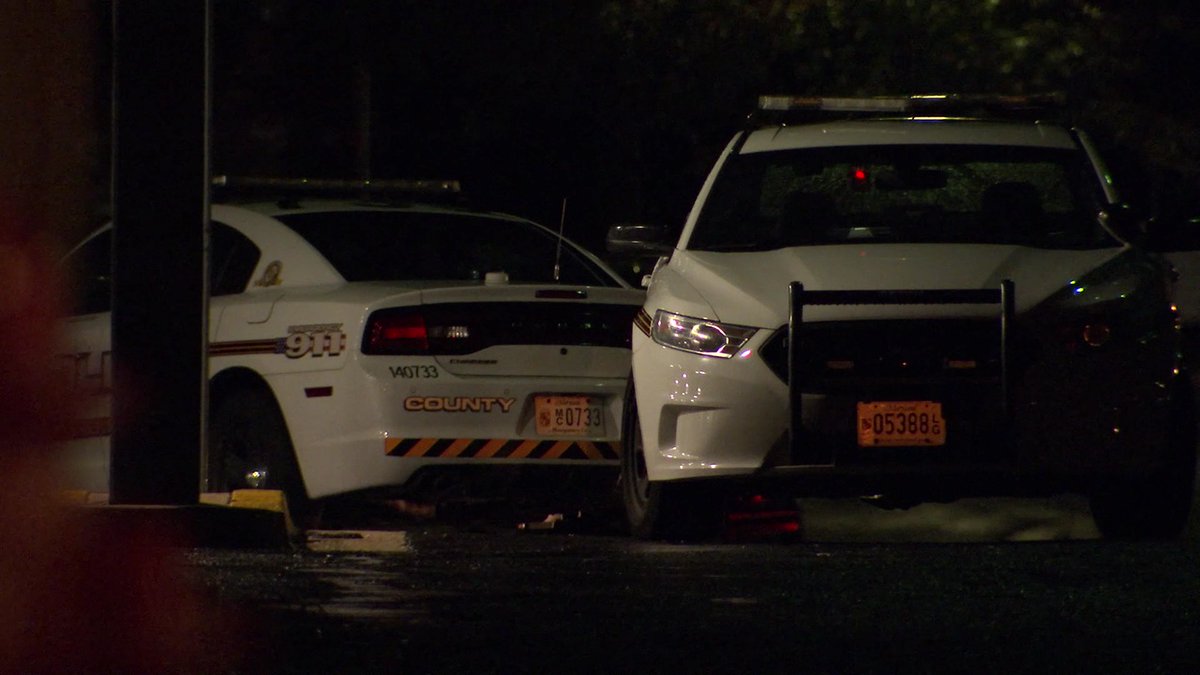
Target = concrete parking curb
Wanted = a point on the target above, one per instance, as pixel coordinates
(241, 519)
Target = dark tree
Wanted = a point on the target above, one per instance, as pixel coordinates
(620, 106)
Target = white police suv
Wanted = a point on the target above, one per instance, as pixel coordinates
(356, 345)
(920, 298)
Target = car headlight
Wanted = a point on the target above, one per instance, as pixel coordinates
(699, 336)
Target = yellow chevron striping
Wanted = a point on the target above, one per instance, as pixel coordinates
(524, 449)
(457, 447)
(480, 448)
(491, 448)
(558, 449)
(421, 447)
(590, 450)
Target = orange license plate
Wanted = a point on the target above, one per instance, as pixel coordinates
(889, 423)
(568, 415)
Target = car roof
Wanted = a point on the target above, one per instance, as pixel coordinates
(908, 130)
(263, 222)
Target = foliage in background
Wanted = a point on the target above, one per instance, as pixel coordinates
(1124, 66)
(621, 105)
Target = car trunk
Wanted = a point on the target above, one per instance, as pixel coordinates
(529, 331)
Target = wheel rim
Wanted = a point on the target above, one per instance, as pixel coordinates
(242, 463)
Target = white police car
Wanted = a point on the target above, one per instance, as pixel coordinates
(921, 298)
(361, 345)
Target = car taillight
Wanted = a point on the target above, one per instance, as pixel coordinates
(397, 333)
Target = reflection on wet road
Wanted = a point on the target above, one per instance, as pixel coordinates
(967, 520)
(978, 585)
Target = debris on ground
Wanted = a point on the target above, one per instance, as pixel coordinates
(561, 522)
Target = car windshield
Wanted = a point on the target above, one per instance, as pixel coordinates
(1038, 197)
(413, 245)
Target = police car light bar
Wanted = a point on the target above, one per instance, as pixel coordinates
(772, 107)
(327, 184)
(784, 103)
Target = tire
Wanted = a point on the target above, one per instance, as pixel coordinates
(249, 447)
(661, 509)
(1157, 506)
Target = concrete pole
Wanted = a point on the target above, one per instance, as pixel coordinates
(160, 216)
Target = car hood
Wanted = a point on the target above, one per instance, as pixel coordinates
(752, 288)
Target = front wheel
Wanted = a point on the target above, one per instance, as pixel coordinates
(1156, 506)
(663, 509)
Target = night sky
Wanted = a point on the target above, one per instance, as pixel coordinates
(521, 101)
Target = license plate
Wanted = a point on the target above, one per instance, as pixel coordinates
(889, 423)
(568, 415)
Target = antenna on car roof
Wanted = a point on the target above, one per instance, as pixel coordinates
(562, 222)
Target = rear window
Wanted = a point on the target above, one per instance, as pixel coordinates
(1038, 197)
(410, 246)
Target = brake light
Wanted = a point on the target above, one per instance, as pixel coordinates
(860, 180)
(397, 334)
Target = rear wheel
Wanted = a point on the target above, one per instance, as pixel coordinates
(662, 509)
(1156, 506)
(249, 447)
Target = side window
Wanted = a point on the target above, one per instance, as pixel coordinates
(232, 258)
(89, 275)
(525, 253)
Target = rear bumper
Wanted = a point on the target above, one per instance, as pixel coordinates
(378, 430)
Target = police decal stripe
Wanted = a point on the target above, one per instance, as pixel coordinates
(236, 347)
(501, 448)
(324, 339)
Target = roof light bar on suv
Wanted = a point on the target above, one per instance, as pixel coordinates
(778, 109)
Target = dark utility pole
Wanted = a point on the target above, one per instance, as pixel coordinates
(160, 216)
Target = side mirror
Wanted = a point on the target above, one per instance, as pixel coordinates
(633, 239)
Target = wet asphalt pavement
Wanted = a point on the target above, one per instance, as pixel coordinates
(975, 586)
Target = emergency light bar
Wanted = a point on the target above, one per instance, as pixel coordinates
(782, 103)
(338, 185)
(780, 108)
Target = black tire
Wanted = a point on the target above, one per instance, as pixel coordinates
(682, 511)
(249, 447)
(1156, 506)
